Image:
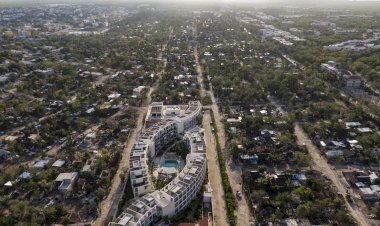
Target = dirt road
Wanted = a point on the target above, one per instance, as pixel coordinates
(114, 195)
(320, 164)
(199, 72)
(106, 204)
(218, 203)
(234, 172)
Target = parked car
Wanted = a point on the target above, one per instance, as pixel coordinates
(238, 194)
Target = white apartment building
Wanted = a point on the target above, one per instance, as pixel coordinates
(183, 189)
(171, 199)
(138, 167)
(178, 194)
(184, 115)
(170, 122)
(188, 119)
(143, 211)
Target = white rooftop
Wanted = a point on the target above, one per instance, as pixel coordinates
(176, 188)
(193, 170)
(125, 220)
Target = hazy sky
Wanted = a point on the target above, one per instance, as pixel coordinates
(313, 2)
(304, 1)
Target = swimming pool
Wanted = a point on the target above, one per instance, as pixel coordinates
(170, 163)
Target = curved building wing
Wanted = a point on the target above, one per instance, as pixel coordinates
(167, 124)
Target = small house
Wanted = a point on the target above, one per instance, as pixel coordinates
(65, 181)
(59, 163)
(250, 159)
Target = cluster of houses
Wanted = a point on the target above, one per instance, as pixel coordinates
(264, 138)
(182, 62)
(64, 181)
(335, 68)
(365, 182)
(353, 83)
(346, 149)
(280, 178)
(267, 138)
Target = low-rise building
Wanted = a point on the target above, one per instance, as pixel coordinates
(65, 181)
(59, 163)
(353, 82)
(367, 194)
(40, 163)
(249, 159)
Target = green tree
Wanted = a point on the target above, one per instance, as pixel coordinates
(261, 169)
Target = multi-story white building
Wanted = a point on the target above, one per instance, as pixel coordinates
(159, 135)
(139, 172)
(170, 123)
(188, 119)
(171, 199)
(142, 211)
(185, 116)
(176, 195)
(183, 189)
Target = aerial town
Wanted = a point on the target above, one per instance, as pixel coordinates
(134, 113)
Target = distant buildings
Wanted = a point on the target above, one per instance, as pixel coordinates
(4, 154)
(137, 91)
(45, 72)
(282, 41)
(280, 35)
(351, 81)
(249, 159)
(3, 79)
(353, 45)
(340, 31)
(331, 67)
(354, 82)
(59, 163)
(7, 77)
(41, 164)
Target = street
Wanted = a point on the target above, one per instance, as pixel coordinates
(234, 174)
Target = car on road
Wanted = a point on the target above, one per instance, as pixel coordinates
(60, 141)
(238, 195)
